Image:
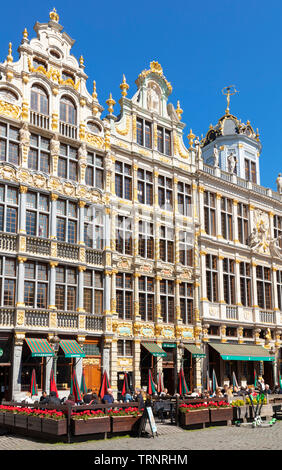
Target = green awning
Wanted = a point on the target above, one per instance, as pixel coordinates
(194, 350)
(71, 348)
(154, 349)
(39, 347)
(242, 352)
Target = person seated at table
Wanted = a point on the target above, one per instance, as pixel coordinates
(43, 398)
(108, 397)
(164, 393)
(53, 399)
(87, 397)
(195, 393)
(95, 400)
(267, 389)
(28, 398)
(70, 400)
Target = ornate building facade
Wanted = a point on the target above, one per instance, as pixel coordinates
(122, 249)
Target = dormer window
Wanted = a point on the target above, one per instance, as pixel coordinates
(93, 127)
(8, 95)
(39, 63)
(144, 133)
(55, 54)
(67, 76)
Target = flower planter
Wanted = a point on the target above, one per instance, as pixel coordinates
(90, 426)
(2, 418)
(124, 423)
(194, 417)
(34, 423)
(9, 419)
(221, 414)
(21, 421)
(56, 427)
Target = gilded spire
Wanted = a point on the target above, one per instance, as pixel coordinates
(25, 34)
(110, 102)
(81, 60)
(9, 56)
(191, 137)
(94, 94)
(124, 87)
(178, 110)
(54, 15)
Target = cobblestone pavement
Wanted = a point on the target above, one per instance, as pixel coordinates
(169, 438)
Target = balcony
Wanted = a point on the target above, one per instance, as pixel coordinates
(67, 251)
(38, 246)
(7, 317)
(94, 257)
(37, 318)
(69, 321)
(266, 316)
(231, 313)
(68, 130)
(8, 242)
(94, 322)
(39, 120)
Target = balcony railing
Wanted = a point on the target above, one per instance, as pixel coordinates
(231, 313)
(7, 317)
(67, 251)
(266, 317)
(38, 246)
(68, 130)
(8, 242)
(67, 320)
(94, 323)
(94, 257)
(37, 318)
(39, 120)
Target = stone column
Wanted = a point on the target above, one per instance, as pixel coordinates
(158, 316)
(16, 370)
(136, 297)
(155, 180)
(175, 183)
(53, 224)
(136, 363)
(218, 216)
(82, 162)
(20, 289)
(52, 285)
(203, 275)
(22, 221)
(24, 144)
(220, 280)
(79, 361)
(80, 307)
(48, 368)
(81, 206)
(177, 302)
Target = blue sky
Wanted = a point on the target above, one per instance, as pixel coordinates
(202, 46)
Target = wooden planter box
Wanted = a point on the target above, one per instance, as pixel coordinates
(221, 414)
(90, 426)
(2, 418)
(241, 412)
(194, 417)
(34, 423)
(21, 421)
(56, 427)
(124, 423)
(9, 419)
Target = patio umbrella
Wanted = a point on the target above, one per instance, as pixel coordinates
(182, 385)
(53, 386)
(75, 390)
(125, 386)
(255, 378)
(160, 383)
(104, 385)
(33, 385)
(280, 380)
(214, 381)
(234, 381)
(151, 385)
(208, 382)
(83, 387)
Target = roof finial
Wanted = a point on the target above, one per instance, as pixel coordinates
(9, 56)
(81, 60)
(178, 110)
(124, 87)
(191, 137)
(54, 15)
(110, 102)
(25, 34)
(228, 91)
(94, 94)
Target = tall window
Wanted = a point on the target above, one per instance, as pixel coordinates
(229, 281)
(184, 199)
(166, 244)
(145, 187)
(167, 300)
(39, 153)
(226, 218)
(8, 270)
(209, 210)
(93, 227)
(9, 143)
(39, 101)
(165, 193)
(186, 302)
(264, 287)
(278, 228)
(66, 288)
(67, 162)
(146, 298)
(279, 289)
(123, 180)
(250, 171)
(146, 239)
(67, 111)
(124, 296)
(212, 278)
(35, 284)
(66, 221)
(185, 248)
(124, 235)
(8, 209)
(94, 171)
(245, 284)
(164, 140)
(125, 348)
(37, 214)
(93, 291)
(243, 223)
(144, 133)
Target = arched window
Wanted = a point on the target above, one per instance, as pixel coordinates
(8, 95)
(39, 100)
(67, 111)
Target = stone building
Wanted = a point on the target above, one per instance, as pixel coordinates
(122, 249)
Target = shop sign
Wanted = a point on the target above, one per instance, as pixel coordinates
(169, 345)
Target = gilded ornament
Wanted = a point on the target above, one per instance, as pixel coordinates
(110, 102)
(127, 126)
(54, 15)
(10, 110)
(124, 87)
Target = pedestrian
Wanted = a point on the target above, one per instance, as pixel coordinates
(87, 397)
(108, 397)
(139, 398)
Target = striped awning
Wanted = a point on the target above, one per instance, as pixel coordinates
(39, 347)
(154, 349)
(194, 350)
(242, 352)
(71, 348)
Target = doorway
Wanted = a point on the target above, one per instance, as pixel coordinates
(4, 383)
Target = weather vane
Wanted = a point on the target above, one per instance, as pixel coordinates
(228, 91)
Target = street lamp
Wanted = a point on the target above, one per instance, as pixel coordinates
(55, 341)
